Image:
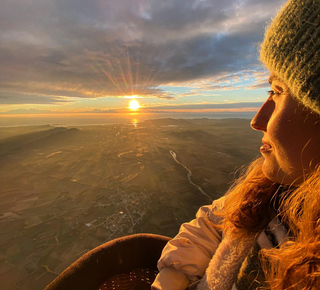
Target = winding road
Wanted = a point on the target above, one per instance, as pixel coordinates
(174, 156)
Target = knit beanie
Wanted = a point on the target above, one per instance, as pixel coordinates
(291, 49)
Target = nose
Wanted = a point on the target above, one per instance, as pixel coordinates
(261, 119)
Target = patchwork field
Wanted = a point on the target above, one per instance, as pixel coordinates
(66, 190)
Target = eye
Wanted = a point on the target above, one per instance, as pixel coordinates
(272, 93)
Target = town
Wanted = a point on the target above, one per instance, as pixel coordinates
(65, 191)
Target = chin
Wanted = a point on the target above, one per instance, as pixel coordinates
(281, 177)
(274, 174)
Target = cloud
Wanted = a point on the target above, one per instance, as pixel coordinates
(243, 105)
(245, 80)
(54, 50)
(29, 98)
(26, 111)
(261, 81)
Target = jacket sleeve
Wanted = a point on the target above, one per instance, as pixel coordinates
(185, 258)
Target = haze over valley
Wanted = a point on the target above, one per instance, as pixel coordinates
(66, 190)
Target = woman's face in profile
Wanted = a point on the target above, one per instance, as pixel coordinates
(291, 141)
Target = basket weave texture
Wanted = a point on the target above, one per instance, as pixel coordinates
(138, 279)
(131, 257)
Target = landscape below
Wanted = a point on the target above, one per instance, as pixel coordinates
(66, 190)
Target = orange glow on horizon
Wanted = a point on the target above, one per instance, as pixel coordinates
(149, 110)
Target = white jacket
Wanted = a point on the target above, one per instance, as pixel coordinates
(200, 250)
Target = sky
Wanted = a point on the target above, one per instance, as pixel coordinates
(94, 56)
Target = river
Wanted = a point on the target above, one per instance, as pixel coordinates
(174, 156)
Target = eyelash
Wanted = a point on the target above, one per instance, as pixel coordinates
(272, 93)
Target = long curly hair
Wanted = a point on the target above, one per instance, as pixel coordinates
(250, 205)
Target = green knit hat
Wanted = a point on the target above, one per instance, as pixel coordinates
(291, 49)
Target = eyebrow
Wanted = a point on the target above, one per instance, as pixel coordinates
(271, 78)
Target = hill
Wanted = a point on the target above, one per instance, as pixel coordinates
(67, 190)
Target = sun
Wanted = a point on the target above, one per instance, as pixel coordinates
(134, 105)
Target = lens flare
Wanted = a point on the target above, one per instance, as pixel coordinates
(134, 105)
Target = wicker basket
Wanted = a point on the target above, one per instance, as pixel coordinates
(138, 279)
(130, 261)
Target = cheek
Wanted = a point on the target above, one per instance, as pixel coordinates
(297, 145)
(282, 133)
(286, 144)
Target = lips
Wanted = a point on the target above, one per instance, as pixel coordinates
(265, 147)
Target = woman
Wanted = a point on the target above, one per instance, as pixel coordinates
(265, 232)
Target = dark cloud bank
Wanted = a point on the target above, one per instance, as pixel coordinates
(53, 50)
